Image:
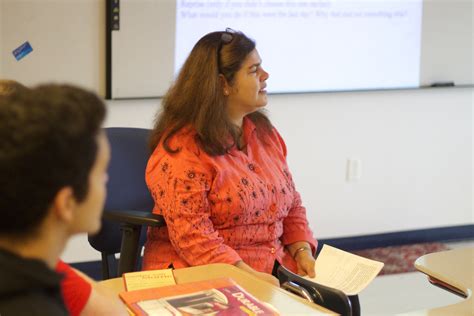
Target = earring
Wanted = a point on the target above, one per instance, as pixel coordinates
(226, 92)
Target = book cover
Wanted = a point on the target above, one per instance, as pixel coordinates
(147, 279)
(212, 297)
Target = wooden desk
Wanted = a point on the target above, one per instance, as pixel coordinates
(285, 302)
(452, 270)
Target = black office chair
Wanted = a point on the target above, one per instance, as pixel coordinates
(325, 296)
(128, 205)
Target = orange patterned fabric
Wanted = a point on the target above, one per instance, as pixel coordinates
(222, 209)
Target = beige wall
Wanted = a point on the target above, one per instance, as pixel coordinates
(67, 37)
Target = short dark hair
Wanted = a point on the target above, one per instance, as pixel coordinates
(196, 98)
(8, 87)
(48, 140)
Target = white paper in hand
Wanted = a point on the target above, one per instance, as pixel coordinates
(344, 271)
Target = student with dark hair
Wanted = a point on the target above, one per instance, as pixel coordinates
(53, 171)
(218, 171)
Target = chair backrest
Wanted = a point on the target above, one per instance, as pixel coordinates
(328, 297)
(126, 188)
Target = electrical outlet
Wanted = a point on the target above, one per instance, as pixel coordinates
(353, 170)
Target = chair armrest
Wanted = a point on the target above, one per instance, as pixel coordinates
(325, 296)
(135, 217)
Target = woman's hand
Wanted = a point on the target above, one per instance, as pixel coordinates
(305, 263)
(301, 252)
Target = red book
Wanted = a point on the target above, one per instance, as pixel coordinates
(212, 297)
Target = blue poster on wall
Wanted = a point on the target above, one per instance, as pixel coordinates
(23, 50)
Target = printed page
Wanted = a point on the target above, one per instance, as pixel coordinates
(344, 271)
(148, 279)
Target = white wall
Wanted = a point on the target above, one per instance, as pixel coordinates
(67, 37)
(415, 146)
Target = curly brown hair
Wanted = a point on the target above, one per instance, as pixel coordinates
(196, 98)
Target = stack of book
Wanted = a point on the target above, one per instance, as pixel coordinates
(150, 293)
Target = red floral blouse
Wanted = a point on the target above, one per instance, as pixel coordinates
(238, 206)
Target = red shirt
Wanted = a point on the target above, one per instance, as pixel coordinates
(74, 288)
(238, 206)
